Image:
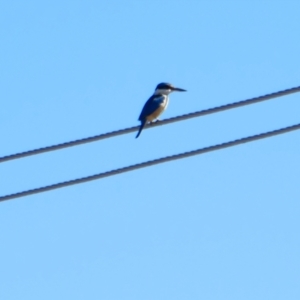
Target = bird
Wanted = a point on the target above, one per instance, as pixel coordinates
(156, 104)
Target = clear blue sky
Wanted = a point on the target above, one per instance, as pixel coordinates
(224, 225)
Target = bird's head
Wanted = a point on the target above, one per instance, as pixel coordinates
(166, 89)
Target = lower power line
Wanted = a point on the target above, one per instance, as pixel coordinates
(152, 162)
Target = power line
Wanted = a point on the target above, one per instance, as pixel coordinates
(152, 162)
(164, 122)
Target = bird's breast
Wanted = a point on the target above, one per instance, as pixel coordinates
(161, 107)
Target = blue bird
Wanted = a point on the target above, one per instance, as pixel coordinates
(156, 104)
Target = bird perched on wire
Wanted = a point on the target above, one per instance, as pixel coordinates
(156, 104)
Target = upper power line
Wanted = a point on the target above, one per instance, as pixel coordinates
(152, 162)
(164, 122)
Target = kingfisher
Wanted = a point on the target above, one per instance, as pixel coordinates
(156, 104)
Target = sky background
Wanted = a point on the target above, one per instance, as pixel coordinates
(223, 225)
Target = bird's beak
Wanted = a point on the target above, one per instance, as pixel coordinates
(178, 89)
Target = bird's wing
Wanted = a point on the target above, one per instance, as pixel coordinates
(151, 106)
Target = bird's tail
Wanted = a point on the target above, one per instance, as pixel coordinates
(141, 128)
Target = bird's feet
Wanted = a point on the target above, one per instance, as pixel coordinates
(153, 122)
